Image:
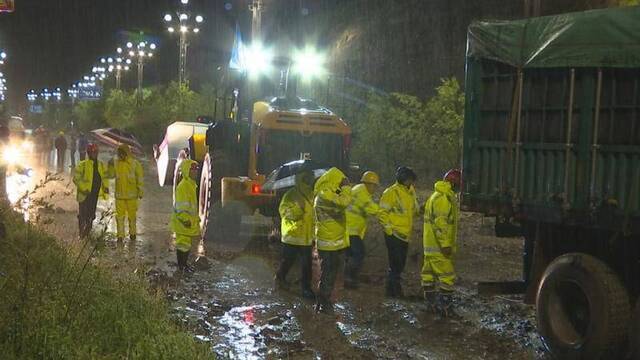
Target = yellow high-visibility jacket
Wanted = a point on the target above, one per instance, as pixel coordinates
(296, 213)
(441, 214)
(129, 177)
(330, 204)
(83, 178)
(361, 207)
(401, 204)
(185, 207)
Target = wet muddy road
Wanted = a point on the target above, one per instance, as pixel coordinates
(230, 302)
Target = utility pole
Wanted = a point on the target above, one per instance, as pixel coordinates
(256, 7)
(182, 68)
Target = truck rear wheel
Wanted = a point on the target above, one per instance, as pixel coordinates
(582, 308)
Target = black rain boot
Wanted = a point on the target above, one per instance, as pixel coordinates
(430, 295)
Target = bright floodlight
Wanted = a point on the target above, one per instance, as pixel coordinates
(199, 18)
(258, 59)
(168, 17)
(309, 63)
(3, 55)
(128, 61)
(126, 68)
(129, 45)
(119, 50)
(183, 17)
(196, 30)
(171, 29)
(131, 53)
(141, 53)
(142, 44)
(185, 2)
(152, 46)
(184, 29)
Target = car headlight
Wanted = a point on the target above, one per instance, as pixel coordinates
(11, 155)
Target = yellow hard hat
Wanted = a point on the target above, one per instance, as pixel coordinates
(370, 177)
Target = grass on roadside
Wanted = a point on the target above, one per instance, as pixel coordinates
(55, 304)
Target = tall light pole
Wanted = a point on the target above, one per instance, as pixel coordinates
(185, 24)
(140, 52)
(117, 65)
(256, 7)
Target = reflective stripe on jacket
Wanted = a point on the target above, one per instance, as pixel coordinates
(184, 218)
(441, 215)
(329, 207)
(83, 178)
(362, 206)
(128, 175)
(296, 213)
(401, 204)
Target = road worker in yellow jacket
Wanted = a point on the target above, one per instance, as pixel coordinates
(399, 200)
(128, 190)
(441, 214)
(296, 214)
(185, 222)
(90, 178)
(362, 206)
(332, 197)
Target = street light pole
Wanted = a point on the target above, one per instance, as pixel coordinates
(140, 53)
(184, 23)
(182, 67)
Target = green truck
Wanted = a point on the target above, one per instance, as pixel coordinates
(552, 151)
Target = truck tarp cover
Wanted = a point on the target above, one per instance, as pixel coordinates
(597, 38)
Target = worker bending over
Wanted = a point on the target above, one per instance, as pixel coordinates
(362, 206)
(332, 197)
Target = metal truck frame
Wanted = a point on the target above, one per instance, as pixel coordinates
(552, 151)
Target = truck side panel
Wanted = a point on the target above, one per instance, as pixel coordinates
(529, 149)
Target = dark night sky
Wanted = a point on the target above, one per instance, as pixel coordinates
(53, 43)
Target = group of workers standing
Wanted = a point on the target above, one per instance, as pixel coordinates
(91, 177)
(74, 142)
(326, 213)
(334, 215)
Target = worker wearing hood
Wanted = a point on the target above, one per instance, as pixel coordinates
(296, 214)
(441, 213)
(129, 188)
(185, 222)
(332, 197)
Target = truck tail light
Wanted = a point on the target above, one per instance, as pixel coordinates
(255, 188)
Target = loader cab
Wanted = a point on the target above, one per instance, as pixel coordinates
(285, 127)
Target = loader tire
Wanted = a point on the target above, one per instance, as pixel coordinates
(583, 309)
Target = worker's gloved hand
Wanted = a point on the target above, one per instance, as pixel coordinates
(388, 230)
(447, 251)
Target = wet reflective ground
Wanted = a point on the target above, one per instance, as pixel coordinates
(230, 302)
